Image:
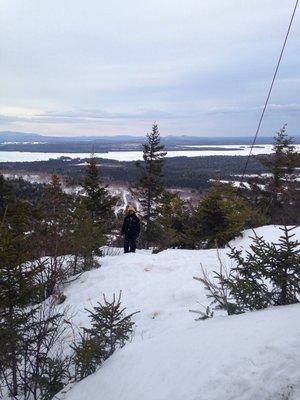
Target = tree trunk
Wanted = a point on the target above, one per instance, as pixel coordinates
(14, 366)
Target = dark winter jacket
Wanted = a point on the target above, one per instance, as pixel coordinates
(131, 226)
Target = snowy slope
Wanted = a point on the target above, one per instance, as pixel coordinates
(172, 357)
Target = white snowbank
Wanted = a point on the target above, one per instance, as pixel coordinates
(172, 357)
(269, 232)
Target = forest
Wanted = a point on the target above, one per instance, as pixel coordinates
(179, 172)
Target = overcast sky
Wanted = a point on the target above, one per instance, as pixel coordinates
(197, 67)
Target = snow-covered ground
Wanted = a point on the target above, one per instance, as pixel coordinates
(172, 357)
(237, 150)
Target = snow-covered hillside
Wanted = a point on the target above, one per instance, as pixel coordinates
(172, 357)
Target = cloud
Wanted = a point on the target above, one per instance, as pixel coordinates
(83, 115)
(101, 66)
(272, 108)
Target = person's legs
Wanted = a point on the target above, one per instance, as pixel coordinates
(132, 245)
(126, 245)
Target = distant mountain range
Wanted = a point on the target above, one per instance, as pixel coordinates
(23, 137)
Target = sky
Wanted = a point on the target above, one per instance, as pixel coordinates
(196, 67)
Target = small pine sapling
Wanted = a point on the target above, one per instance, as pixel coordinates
(269, 274)
(110, 323)
(246, 283)
(110, 330)
(283, 268)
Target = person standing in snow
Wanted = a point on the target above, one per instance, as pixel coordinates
(131, 230)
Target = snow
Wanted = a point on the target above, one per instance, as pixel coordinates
(233, 183)
(270, 232)
(15, 156)
(172, 357)
(236, 150)
(244, 357)
(26, 156)
(125, 198)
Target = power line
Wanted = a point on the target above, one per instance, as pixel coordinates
(269, 92)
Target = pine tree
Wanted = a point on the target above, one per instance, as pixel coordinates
(14, 294)
(220, 216)
(28, 330)
(17, 275)
(269, 274)
(53, 221)
(98, 201)
(284, 268)
(5, 194)
(149, 188)
(85, 239)
(276, 192)
(51, 231)
(110, 323)
(110, 330)
(174, 219)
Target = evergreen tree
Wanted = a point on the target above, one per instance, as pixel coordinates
(220, 216)
(110, 330)
(5, 194)
(269, 274)
(86, 237)
(276, 192)
(53, 221)
(51, 234)
(15, 212)
(174, 219)
(17, 275)
(28, 330)
(98, 201)
(14, 295)
(149, 188)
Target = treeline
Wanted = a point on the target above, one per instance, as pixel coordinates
(179, 172)
(224, 211)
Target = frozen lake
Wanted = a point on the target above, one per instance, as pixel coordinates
(235, 150)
